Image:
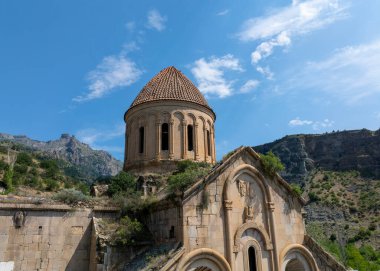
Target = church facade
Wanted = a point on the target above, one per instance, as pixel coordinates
(238, 217)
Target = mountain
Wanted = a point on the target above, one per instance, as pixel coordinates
(80, 160)
(338, 151)
(339, 174)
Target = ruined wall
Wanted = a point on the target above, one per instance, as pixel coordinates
(324, 260)
(45, 237)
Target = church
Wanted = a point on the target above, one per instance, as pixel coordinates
(236, 218)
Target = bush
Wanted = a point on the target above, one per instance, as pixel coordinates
(70, 196)
(3, 165)
(21, 168)
(51, 185)
(121, 182)
(271, 163)
(8, 179)
(24, 158)
(51, 168)
(296, 189)
(129, 231)
(313, 197)
(181, 181)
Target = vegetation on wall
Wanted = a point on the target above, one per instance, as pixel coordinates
(271, 163)
(188, 173)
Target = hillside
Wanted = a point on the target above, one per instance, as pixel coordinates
(76, 158)
(338, 151)
(339, 175)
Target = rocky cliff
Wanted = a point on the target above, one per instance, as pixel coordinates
(86, 162)
(338, 151)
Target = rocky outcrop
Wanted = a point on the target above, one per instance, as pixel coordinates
(338, 151)
(86, 162)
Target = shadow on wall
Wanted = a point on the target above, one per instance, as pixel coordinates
(80, 258)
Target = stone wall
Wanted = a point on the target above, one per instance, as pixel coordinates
(324, 260)
(45, 237)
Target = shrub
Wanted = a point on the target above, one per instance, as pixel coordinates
(8, 179)
(24, 158)
(313, 197)
(51, 185)
(3, 165)
(70, 196)
(129, 231)
(181, 181)
(271, 163)
(296, 189)
(51, 168)
(21, 168)
(121, 182)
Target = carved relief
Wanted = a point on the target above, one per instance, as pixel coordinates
(248, 214)
(19, 219)
(242, 186)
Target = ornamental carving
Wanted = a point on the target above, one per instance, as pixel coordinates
(248, 214)
(242, 186)
(19, 219)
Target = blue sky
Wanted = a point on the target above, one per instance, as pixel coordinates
(268, 68)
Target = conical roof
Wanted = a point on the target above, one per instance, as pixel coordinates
(170, 84)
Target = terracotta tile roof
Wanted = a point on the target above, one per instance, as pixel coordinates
(170, 84)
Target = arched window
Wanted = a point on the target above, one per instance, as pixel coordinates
(141, 140)
(252, 259)
(208, 143)
(190, 138)
(165, 137)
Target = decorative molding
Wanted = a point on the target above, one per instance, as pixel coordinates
(260, 229)
(228, 204)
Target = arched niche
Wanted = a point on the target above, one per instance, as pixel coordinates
(203, 258)
(297, 258)
(250, 170)
(251, 225)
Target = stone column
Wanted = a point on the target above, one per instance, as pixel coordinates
(212, 142)
(158, 140)
(275, 263)
(184, 141)
(171, 139)
(205, 141)
(126, 154)
(196, 149)
(228, 211)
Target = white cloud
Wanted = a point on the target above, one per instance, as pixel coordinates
(351, 73)
(94, 137)
(156, 20)
(316, 125)
(265, 71)
(298, 122)
(249, 85)
(210, 75)
(278, 28)
(223, 12)
(322, 124)
(130, 26)
(112, 72)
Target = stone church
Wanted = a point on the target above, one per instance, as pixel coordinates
(251, 220)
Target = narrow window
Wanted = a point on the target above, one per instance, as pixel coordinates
(171, 232)
(141, 140)
(208, 143)
(252, 259)
(165, 137)
(190, 138)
